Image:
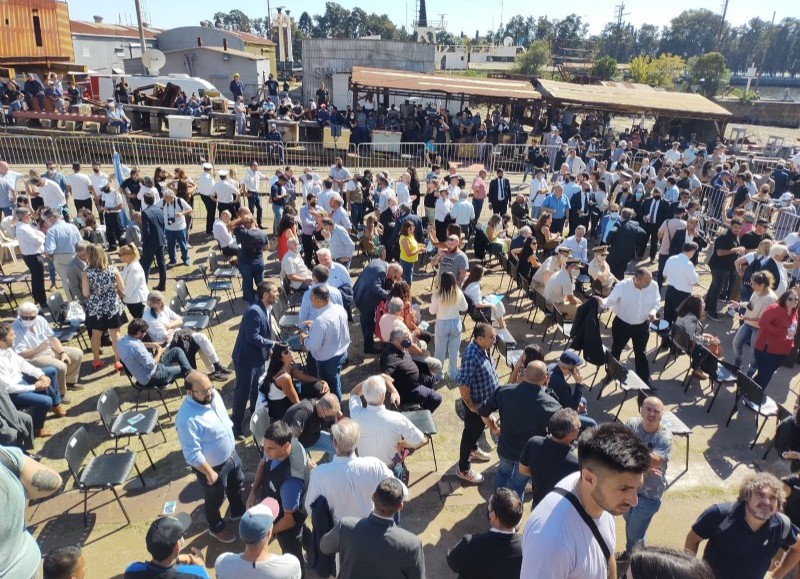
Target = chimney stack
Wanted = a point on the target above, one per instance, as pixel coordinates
(225, 44)
(422, 20)
(97, 19)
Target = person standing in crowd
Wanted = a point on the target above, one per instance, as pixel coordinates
(658, 439)
(655, 211)
(251, 351)
(496, 553)
(743, 536)
(548, 459)
(372, 287)
(623, 239)
(80, 187)
(283, 474)
(762, 296)
(328, 338)
(154, 241)
(557, 205)
(165, 541)
(525, 410)
(252, 243)
(59, 244)
(251, 182)
(341, 245)
(666, 233)
(205, 434)
(75, 271)
(447, 304)
(175, 211)
(682, 279)
(452, 259)
(477, 382)
(102, 285)
(376, 546)
(205, 187)
(612, 463)
(776, 336)
(134, 280)
(499, 194)
(479, 193)
(31, 245)
(112, 203)
(225, 193)
(635, 304)
(726, 249)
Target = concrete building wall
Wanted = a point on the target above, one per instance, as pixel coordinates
(210, 66)
(324, 57)
(778, 113)
(101, 54)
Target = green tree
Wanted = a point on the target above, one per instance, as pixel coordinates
(692, 33)
(357, 22)
(709, 72)
(332, 23)
(639, 69)
(305, 24)
(570, 29)
(658, 72)
(604, 68)
(647, 39)
(544, 29)
(533, 59)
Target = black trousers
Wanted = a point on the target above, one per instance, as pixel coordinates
(113, 230)
(37, 279)
(652, 236)
(473, 428)
(308, 249)
(672, 299)
(291, 541)
(148, 255)
(232, 207)
(558, 225)
(638, 334)
(618, 269)
(83, 204)
(229, 484)
(211, 213)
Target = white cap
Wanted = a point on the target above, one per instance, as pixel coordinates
(102, 183)
(207, 166)
(222, 172)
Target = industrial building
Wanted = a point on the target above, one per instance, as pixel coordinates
(102, 47)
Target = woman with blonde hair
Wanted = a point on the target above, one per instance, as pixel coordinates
(496, 233)
(102, 287)
(133, 280)
(447, 304)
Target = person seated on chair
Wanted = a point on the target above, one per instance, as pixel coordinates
(413, 380)
(517, 243)
(569, 395)
(519, 209)
(150, 370)
(690, 315)
(558, 291)
(164, 328)
(600, 271)
(278, 389)
(419, 348)
(550, 267)
(472, 290)
(223, 234)
(294, 269)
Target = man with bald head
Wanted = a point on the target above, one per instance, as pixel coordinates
(525, 410)
(648, 427)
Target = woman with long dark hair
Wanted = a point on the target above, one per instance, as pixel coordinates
(278, 387)
(664, 563)
(414, 189)
(287, 228)
(472, 290)
(447, 303)
(775, 339)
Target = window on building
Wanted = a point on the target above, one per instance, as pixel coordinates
(37, 28)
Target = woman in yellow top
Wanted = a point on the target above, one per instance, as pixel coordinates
(409, 250)
(496, 233)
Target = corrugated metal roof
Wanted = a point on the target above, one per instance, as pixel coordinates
(219, 49)
(451, 85)
(632, 98)
(106, 29)
(251, 38)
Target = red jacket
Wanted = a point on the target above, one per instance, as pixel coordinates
(772, 330)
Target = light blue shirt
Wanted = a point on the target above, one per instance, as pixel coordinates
(205, 432)
(672, 194)
(7, 191)
(309, 312)
(342, 244)
(61, 239)
(329, 335)
(569, 189)
(338, 276)
(137, 359)
(559, 206)
(307, 221)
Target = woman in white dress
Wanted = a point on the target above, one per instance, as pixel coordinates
(135, 294)
(472, 289)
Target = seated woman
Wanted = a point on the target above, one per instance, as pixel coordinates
(527, 263)
(690, 314)
(165, 327)
(371, 237)
(87, 225)
(278, 389)
(547, 240)
(496, 234)
(472, 290)
(530, 354)
(411, 314)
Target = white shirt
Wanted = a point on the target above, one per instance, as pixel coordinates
(27, 338)
(112, 199)
(79, 184)
(221, 233)
(293, 264)
(442, 208)
(383, 199)
(157, 329)
(173, 211)
(135, 283)
(324, 199)
(140, 195)
(463, 212)
(631, 304)
(673, 155)
(557, 544)
(205, 183)
(403, 193)
(450, 312)
(31, 240)
(225, 191)
(233, 566)
(12, 368)
(579, 248)
(51, 194)
(339, 217)
(382, 429)
(348, 483)
(538, 191)
(96, 179)
(252, 180)
(680, 273)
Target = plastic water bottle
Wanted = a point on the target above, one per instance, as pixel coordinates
(791, 331)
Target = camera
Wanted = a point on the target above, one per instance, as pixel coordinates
(170, 220)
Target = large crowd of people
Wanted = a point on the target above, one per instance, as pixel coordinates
(599, 229)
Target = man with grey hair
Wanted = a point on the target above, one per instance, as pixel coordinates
(294, 269)
(463, 213)
(75, 270)
(338, 213)
(385, 434)
(414, 384)
(31, 246)
(349, 481)
(59, 244)
(328, 338)
(418, 348)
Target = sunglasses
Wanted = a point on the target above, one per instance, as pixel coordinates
(27, 318)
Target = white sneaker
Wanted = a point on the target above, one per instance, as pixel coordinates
(479, 455)
(470, 476)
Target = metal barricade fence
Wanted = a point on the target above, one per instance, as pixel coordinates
(88, 150)
(392, 155)
(28, 151)
(169, 153)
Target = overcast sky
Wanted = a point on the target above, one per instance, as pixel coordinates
(461, 15)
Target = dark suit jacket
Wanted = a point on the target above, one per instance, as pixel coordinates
(255, 339)
(575, 206)
(494, 190)
(624, 239)
(153, 236)
(489, 554)
(676, 245)
(394, 239)
(368, 291)
(663, 213)
(374, 547)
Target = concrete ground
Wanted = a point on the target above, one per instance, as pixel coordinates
(440, 509)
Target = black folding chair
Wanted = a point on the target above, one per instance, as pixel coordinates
(204, 304)
(64, 330)
(718, 371)
(217, 286)
(423, 419)
(627, 380)
(129, 423)
(195, 320)
(783, 415)
(752, 397)
(103, 472)
(142, 388)
(259, 422)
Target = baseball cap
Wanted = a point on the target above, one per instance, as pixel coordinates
(257, 522)
(572, 358)
(164, 533)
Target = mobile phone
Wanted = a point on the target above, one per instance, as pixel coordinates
(170, 507)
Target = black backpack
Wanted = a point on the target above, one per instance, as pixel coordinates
(730, 510)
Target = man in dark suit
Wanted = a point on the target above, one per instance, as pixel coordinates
(624, 239)
(376, 546)
(251, 351)
(496, 553)
(691, 233)
(153, 241)
(655, 211)
(499, 193)
(579, 209)
(370, 289)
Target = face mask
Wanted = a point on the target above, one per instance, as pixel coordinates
(313, 204)
(657, 197)
(406, 343)
(27, 323)
(639, 195)
(614, 215)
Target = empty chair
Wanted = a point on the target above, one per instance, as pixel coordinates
(218, 286)
(196, 321)
(752, 397)
(103, 472)
(141, 388)
(259, 423)
(204, 304)
(65, 329)
(718, 372)
(128, 423)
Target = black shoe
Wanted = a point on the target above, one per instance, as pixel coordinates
(713, 316)
(33, 456)
(160, 288)
(238, 436)
(218, 376)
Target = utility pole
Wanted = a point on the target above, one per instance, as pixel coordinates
(766, 47)
(721, 26)
(619, 13)
(141, 28)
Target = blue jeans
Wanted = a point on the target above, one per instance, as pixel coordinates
(277, 212)
(766, 365)
(324, 443)
(508, 476)
(743, 338)
(6, 211)
(408, 271)
(252, 275)
(356, 214)
(173, 364)
(177, 238)
(40, 401)
(448, 342)
(330, 370)
(477, 205)
(638, 519)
